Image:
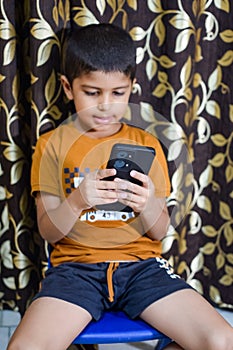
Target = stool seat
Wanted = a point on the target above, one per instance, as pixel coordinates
(116, 327)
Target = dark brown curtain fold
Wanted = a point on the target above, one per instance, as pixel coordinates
(183, 95)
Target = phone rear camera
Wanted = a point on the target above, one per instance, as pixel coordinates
(119, 164)
(122, 154)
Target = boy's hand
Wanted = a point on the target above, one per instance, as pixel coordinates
(135, 196)
(95, 190)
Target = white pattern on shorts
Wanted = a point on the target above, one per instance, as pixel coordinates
(164, 264)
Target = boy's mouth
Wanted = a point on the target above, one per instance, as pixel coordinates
(104, 120)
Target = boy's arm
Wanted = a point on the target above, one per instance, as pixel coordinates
(55, 219)
(155, 218)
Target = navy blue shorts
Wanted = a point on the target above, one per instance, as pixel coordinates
(132, 285)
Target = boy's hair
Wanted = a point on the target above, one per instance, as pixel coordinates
(99, 47)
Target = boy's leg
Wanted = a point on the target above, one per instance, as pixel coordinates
(49, 323)
(187, 318)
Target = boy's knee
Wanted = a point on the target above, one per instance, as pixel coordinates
(222, 341)
(14, 345)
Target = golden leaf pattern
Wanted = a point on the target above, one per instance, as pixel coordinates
(184, 97)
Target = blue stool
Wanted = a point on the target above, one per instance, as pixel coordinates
(116, 327)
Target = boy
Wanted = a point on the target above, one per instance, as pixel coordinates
(101, 260)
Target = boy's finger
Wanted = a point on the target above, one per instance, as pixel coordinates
(102, 173)
(139, 176)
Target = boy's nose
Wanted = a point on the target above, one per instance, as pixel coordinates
(103, 106)
(104, 102)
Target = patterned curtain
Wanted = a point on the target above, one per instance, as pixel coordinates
(183, 95)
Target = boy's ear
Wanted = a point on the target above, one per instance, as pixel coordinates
(67, 87)
(134, 82)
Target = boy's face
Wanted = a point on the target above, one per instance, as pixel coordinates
(100, 99)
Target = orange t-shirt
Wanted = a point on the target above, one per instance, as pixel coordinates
(61, 159)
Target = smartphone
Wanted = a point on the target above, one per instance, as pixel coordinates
(124, 158)
(127, 157)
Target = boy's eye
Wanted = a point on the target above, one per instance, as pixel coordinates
(118, 93)
(97, 93)
(91, 93)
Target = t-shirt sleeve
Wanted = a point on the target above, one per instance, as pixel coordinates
(159, 173)
(45, 169)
